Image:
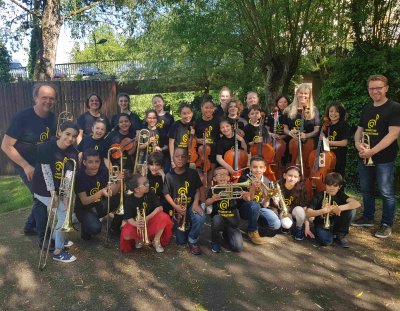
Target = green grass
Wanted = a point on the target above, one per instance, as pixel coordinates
(13, 194)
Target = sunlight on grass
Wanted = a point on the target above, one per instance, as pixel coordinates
(13, 194)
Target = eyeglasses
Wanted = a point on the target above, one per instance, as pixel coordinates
(379, 88)
(146, 184)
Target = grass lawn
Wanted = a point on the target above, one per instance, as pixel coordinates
(13, 194)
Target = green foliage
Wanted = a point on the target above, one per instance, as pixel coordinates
(5, 60)
(13, 194)
(346, 83)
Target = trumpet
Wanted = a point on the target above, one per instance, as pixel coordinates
(268, 191)
(141, 216)
(66, 194)
(181, 219)
(326, 201)
(141, 155)
(62, 117)
(286, 221)
(113, 173)
(231, 191)
(365, 139)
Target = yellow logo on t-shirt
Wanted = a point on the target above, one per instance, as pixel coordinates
(184, 190)
(156, 186)
(255, 137)
(160, 125)
(95, 190)
(297, 123)
(289, 201)
(44, 135)
(144, 204)
(372, 122)
(223, 205)
(59, 165)
(333, 136)
(96, 147)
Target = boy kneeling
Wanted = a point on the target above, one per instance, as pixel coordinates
(333, 211)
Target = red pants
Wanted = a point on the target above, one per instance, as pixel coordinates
(155, 224)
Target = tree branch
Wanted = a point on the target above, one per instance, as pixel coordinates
(81, 10)
(33, 12)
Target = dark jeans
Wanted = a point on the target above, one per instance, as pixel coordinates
(339, 227)
(383, 174)
(30, 222)
(89, 217)
(250, 211)
(193, 234)
(39, 213)
(229, 226)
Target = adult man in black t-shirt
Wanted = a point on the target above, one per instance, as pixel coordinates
(380, 121)
(28, 129)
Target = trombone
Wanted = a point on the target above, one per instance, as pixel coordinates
(231, 191)
(286, 221)
(66, 194)
(181, 219)
(113, 172)
(141, 155)
(365, 139)
(62, 117)
(141, 216)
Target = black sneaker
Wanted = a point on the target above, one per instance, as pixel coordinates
(363, 222)
(52, 244)
(342, 242)
(85, 236)
(29, 231)
(384, 231)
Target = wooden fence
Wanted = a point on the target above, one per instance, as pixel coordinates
(17, 96)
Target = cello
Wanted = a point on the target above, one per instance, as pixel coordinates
(192, 149)
(203, 161)
(321, 163)
(236, 158)
(265, 150)
(279, 146)
(299, 148)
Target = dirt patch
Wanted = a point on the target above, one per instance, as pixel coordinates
(281, 275)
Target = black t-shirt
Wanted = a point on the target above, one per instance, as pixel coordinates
(225, 144)
(159, 141)
(180, 133)
(133, 117)
(240, 122)
(296, 122)
(50, 153)
(219, 113)
(224, 208)
(149, 202)
(30, 131)
(252, 132)
(376, 121)
(210, 127)
(164, 123)
(97, 144)
(258, 193)
(338, 132)
(156, 184)
(277, 127)
(86, 120)
(90, 185)
(187, 183)
(316, 204)
(290, 199)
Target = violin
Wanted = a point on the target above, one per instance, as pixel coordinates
(265, 150)
(299, 148)
(279, 146)
(204, 151)
(236, 158)
(192, 147)
(125, 144)
(321, 163)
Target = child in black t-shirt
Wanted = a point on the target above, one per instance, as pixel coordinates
(156, 177)
(183, 181)
(57, 161)
(94, 194)
(333, 211)
(225, 216)
(156, 226)
(96, 140)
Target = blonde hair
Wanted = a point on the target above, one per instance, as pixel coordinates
(238, 104)
(309, 113)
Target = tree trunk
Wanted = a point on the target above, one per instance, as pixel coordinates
(51, 26)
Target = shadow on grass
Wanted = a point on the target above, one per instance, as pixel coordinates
(281, 275)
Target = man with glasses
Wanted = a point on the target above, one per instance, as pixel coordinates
(28, 129)
(376, 139)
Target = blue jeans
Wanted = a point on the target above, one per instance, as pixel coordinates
(30, 222)
(58, 235)
(229, 227)
(197, 222)
(269, 218)
(250, 211)
(384, 176)
(340, 227)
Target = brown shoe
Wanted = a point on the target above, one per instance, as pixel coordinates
(255, 238)
(194, 249)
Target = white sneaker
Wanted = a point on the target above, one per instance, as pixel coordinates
(157, 246)
(138, 244)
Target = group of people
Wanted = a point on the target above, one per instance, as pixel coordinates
(160, 176)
